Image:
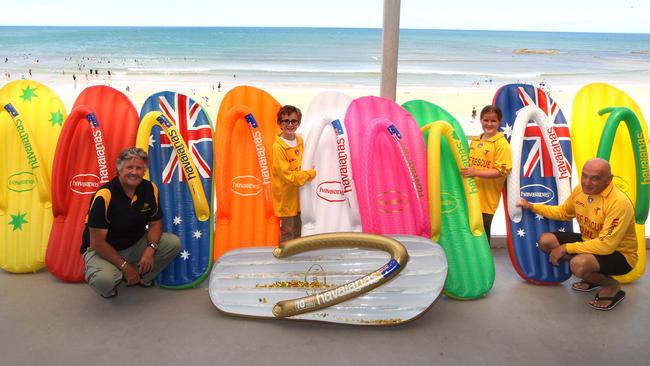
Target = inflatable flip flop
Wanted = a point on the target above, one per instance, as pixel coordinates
(389, 167)
(245, 131)
(31, 116)
(329, 202)
(402, 279)
(625, 147)
(541, 173)
(179, 144)
(101, 124)
(454, 206)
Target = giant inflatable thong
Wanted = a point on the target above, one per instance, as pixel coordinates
(101, 124)
(541, 173)
(176, 132)
(31, 117)
(389, 167)
(346, 278)
(329, 202)
(454, 206)
(245, 130)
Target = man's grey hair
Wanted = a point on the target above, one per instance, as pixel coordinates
(128, 154)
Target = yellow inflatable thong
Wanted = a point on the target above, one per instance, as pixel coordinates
(587, 127)
(31, 117)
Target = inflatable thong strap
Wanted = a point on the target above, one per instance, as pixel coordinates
(415, 192)
(437, 131)
(36, 161)
(151, 119)
(242, 113)
(640, 149)
(561, 167)
(399, 258)
(455, 211)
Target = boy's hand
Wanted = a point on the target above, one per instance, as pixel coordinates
(312, 173)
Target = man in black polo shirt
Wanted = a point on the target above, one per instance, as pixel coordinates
(123, 238)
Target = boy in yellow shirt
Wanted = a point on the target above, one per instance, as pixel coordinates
(286, 173)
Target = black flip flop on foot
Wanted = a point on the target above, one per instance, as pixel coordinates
(591, 287)
(620, 295)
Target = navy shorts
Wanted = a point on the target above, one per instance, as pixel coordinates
(610, 265)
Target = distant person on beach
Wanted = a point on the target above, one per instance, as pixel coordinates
(287, 174)
(6, 59)
(30, 73)
(219, 87)
(473, 112)
(123, 238)
(490, 162)
(74, 79)
(606, 245)
(128, 89)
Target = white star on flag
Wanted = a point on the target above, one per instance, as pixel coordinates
(151, 140)
(561, 229)
(507, 131)
(197, 234)
(177, 220)
(521, 233)
(185, 255)
(539, 217)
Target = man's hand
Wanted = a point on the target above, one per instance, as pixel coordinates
(131, 274)
(557, 254)
(146, 261)
(468, 172)
(523, 203)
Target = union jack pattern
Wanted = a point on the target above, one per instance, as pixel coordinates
(539, 154)
(184, 113)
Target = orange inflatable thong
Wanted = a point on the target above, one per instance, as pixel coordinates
(245, 130)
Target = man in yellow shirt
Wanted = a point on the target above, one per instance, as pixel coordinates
(607, 245)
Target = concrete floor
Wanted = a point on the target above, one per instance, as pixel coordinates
(46, 322)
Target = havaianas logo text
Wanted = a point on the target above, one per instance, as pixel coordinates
(24, 137)
(464, 158)
(448, 203)
(246, 185)
(392, 129)
(177, 144)
(100, 148)
(643, 155)
(537, 193)
(259, 149)
(84, 183)
(342, 156)
(558, 155)
(21, 182)
(352, 287)
(331, 191)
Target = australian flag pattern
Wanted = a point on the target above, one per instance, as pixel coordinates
(536, 181)
(195, 258)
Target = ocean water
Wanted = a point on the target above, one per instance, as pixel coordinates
(327, 56)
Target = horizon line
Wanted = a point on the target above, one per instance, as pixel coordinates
(304, 27)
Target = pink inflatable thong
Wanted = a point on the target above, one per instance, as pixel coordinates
(389, 167)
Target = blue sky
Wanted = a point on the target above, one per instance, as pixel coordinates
(619, 16)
